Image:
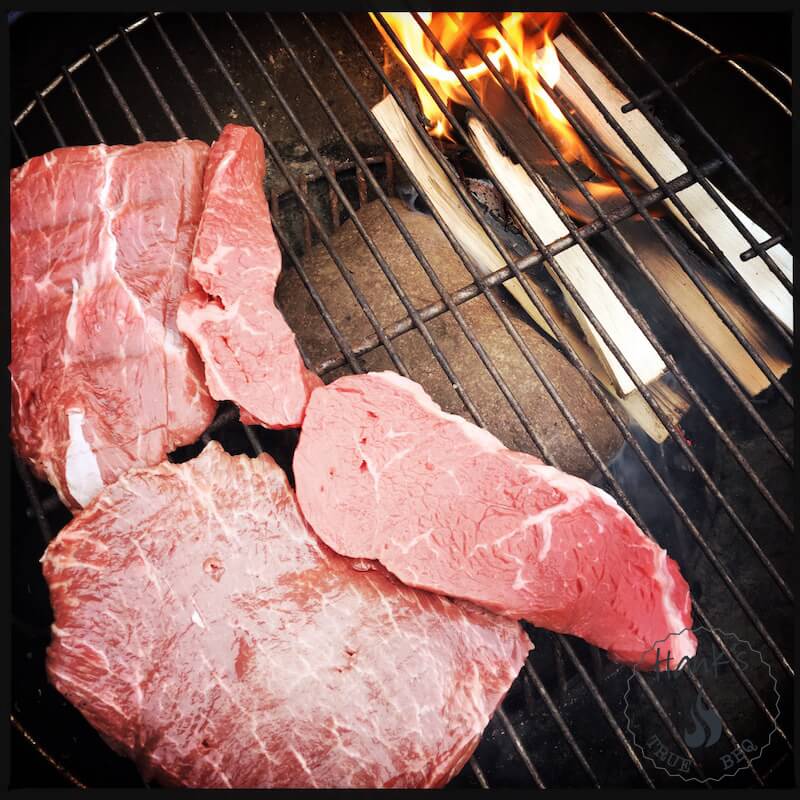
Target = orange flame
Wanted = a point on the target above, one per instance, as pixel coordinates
(520, 47)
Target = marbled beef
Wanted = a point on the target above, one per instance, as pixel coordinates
(101, 379)
(207, 633)
(383, 473)
(249, 351)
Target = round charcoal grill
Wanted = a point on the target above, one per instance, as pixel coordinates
(716, 493)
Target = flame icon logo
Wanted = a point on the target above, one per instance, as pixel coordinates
(707, 726)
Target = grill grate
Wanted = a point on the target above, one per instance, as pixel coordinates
(562, 669)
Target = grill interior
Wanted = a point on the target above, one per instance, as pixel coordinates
(717, 494)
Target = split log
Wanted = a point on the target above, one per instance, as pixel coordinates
(667, 272)
(440, 194)
(705, 322)
(755, 272)
(462, 225)
(531, 204)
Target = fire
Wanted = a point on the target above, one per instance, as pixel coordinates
(519, 46)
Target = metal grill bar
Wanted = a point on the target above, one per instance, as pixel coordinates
(526, 264)
(592, 382)
(388, 87)
(46, 112)
(449, 303)
(723, 262)
(412, 244)
(750, 254)
(476, 769)
(743, 72)
(670, 92)
(58, 766)
(743, 679)
(563, 727)
(514, 736)
(519, 747)
(22, 149)
(79, 97)
(715, 59)
(628, 306)
(165, 107)
(33, 499)
(112, 84)
(589, 137)
(285, 43)
(606, 712)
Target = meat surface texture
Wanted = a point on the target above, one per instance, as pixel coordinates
(383, 473)
(250, 353)
(205, 632)
(102, 381)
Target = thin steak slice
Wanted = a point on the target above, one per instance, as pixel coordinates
(205, 631)
(101, 379)
(249, 351)
(383, 473)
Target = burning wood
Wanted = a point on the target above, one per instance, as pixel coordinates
(701, 316)
(441, 195)
(531, 204)
(520, 48)
(764, 284)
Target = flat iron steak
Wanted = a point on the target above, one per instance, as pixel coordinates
(205, 632)
(249, 351)
(101, 379)
(383, 473)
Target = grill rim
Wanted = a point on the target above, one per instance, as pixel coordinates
(352, 357)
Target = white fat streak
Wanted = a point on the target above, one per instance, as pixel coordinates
(211, 264)
(72, 316)
(190, 323)
(110, 253)
(544, 519)
(578, 490)
(570, 485)
(197, 619)
(304, 765)
(83, 473)
(108, 216)
(680, 646)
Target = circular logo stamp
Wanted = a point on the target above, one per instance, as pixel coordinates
(697, 719)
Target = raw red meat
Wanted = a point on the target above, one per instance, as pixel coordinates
(205, 632)
(383, 473)
(100, 244)
(249, 351)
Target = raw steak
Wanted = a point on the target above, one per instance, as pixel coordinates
(383, 473)
(205, 631)
(101, 378)
(249, 351)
